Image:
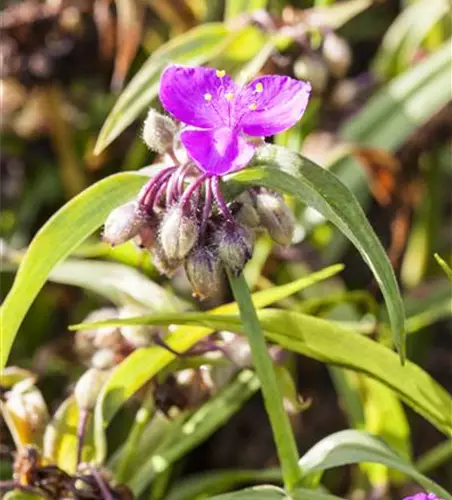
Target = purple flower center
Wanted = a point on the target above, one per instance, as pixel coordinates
(219, 115)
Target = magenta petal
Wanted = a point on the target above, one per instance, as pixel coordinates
(271, 104)
(197, 96)
(217, 151)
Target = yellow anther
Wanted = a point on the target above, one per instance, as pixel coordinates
(208, 97)
(253, 106)
(259, 87)
(221, 73)
(229, 96)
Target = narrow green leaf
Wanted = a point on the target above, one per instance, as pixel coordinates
(282, 430)
(319, 339)
(235, 7)
(143, 364)
(350, 447)
(60, 438)
(22, 495)
(196, 429)
(283, 170)
(215, 482)
(256, 493)
(195, 47)
(55, 240)
(444, 266)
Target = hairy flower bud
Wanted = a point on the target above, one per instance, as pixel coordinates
(313, 69)
(245, 212)
(104, 359)
(164, 265)
(26, 411)
(235, 245)
(276, 216)
(88, 388)
(87, 341)
(337, 54)
(203, 268)
(159, 132)
(123, 223)
(178, 234)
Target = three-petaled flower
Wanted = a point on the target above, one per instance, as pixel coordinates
(219, 115)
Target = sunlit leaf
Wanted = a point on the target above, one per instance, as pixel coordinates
(197, 428)
(235, 7)
(62, 233)
(320, 339)
(349, 447)
(444, 266)
(60, 438)
(144, 363)
(283, 170)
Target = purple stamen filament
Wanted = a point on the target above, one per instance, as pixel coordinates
(220, 199)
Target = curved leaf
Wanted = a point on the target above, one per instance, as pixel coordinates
(350, 447)
(283, 170)
(320, 339)
(61, 234)
(143, 364)
(199, 426)
(256, 493)
(236, 7)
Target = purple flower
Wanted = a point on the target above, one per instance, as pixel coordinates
(219, 115)
(423, 496)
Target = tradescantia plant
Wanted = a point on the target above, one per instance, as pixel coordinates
(209, 204)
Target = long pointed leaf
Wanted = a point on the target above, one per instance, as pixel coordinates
(283, 170)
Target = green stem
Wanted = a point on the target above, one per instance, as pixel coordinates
(142, 418)
(282, 431)
(435, 457)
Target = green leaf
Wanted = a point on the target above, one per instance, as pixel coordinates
(444, 266)
(350, 447)
(143, 364)
(204, 422)
(215, 482)
(389, 118)
(256, 493)
(60, 438)
(22, 495)
(405, 35)
(303, 494)
(55, 240)
(234, 8)
(195, 47)
(273, 401)
(283, 170)
(320, 339)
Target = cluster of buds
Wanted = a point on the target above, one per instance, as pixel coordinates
(183, 219)
(104, 347)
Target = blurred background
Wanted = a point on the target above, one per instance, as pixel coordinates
(380, 117)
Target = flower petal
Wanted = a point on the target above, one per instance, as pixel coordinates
(271, 104)
(198, 96)
(217, 151)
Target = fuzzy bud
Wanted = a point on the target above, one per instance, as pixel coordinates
(203, 268)
(178, 234)
(27, 410)
(164, 265)
(337, 55)
(88, 388)
(245, 212)
(159, 132)
(148, 234)
(276, 216)
(87, 341)
(104, 359)
(123, 223)
(235, 246)
(314, 70)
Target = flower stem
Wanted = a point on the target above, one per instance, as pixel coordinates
(282, 431)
